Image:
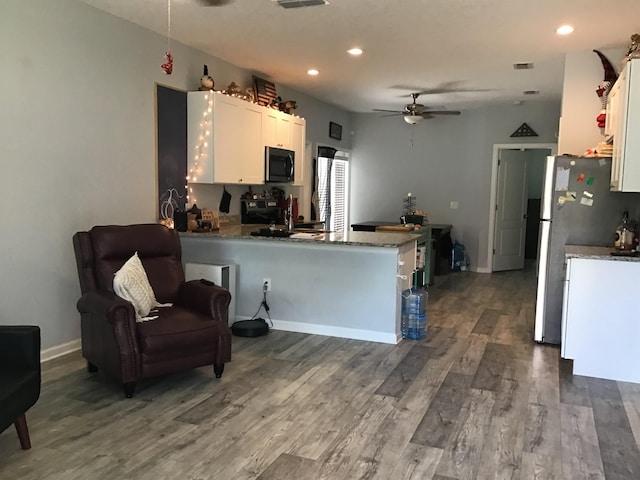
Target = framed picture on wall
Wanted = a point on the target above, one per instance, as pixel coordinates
(335, 131)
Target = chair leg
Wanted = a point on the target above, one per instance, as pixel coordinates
(218, 368)
(23, 432)
(91, 368)
(129, 388)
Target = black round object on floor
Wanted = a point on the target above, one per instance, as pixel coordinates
(250, 328)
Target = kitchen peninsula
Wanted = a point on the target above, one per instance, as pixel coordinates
(338, 284)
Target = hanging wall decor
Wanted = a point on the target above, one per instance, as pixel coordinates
(524, 130)
(265, 91)
(167, 66)
(610, 77)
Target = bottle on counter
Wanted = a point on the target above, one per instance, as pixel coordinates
(625, 233)
(414, 309)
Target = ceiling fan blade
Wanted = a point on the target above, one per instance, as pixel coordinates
(440, 91)
(383, 110)
(214, 3)
(444, 87)
(392, 114)
(441, 112)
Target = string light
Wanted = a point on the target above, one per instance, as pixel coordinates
(200, 155)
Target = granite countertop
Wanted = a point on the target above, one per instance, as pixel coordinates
(363, 239)
(596, 253)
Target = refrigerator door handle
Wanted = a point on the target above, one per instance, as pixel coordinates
(541, 293)
(548, 188)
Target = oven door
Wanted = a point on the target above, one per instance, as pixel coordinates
(279, 165)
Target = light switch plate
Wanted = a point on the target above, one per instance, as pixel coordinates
(454, 204)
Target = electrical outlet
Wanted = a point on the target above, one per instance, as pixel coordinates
(266, 282)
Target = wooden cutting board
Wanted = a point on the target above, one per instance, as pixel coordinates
(394, 228)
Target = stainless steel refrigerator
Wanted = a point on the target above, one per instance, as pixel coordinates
(576, 208)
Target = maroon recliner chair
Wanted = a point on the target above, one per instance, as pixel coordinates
(191, 333)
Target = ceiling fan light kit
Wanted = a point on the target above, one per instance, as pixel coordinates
(412, 119)
(416, 112)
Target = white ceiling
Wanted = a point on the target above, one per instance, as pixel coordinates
(409, 44)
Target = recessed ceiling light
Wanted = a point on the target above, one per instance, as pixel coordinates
(564, 30)
(355, 51)
(312, 71)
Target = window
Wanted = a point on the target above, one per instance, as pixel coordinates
(333, 190)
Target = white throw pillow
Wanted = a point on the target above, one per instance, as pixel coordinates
(131, 283)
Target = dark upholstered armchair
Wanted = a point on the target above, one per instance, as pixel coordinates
(19, 377)
(191, 333)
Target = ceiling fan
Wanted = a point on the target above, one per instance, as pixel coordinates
(415, 112)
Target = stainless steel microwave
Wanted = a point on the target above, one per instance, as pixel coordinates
(279, 165)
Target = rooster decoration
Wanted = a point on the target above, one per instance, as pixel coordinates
(610, 77)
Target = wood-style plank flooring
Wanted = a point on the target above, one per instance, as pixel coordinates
(476, 399)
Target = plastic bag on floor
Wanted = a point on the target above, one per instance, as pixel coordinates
(459, 258)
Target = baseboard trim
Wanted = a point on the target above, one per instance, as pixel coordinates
(60, 350)
(333, 331)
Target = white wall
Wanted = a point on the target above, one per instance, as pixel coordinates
(78, 144)
(583, 73)
(439, 160)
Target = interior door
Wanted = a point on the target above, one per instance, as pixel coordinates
(511, 208)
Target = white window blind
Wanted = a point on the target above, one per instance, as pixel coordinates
(333, 194)
(339, 183)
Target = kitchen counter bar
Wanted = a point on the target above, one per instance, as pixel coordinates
(596, 253)
(362, 239)
(337, 285)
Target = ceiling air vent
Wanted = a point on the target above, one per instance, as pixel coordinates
(301, 3)
(531, 92)
(523, 66)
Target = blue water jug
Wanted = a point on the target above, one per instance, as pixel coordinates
(414, 311)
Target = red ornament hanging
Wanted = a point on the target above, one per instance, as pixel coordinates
(167, 66)
(610, 77)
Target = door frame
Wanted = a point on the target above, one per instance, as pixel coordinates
(497, 147)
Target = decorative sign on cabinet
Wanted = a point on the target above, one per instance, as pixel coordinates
(227, 136)
(623, 128)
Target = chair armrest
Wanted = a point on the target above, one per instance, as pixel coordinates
(210, 300)
(20, 346)
(106, 306)
(109, 331)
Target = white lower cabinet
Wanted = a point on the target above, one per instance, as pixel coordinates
(601, 320)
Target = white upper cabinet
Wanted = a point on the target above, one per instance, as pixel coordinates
(276, 129)
(298, 140)
(286, 131)
(227, 136)
(623, 128)
(224, 140)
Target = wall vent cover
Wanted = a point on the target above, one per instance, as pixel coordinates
(301, 3)
(523, 66)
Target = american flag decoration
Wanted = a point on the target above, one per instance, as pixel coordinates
(265, 91)
(524, 130)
